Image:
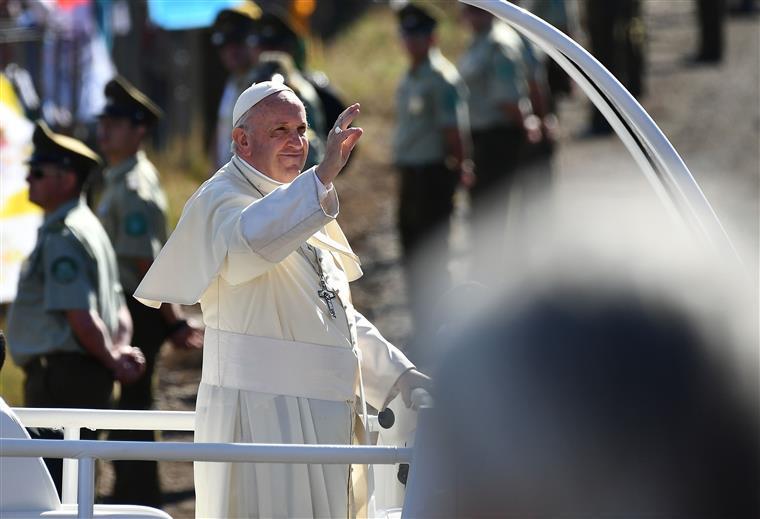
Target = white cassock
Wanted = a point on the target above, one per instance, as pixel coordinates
(277, 366)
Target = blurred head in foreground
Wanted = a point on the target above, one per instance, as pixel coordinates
(588, 403)
(614, 373)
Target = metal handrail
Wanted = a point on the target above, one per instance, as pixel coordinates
(186, 451)
(86, 451)
(72, 420)
(106, 419)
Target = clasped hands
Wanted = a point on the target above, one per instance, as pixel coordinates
(129, 363)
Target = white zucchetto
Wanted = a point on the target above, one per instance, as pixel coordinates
(252, 95)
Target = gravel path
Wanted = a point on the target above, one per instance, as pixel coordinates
(711, 114)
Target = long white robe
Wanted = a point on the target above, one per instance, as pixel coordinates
(236, 252)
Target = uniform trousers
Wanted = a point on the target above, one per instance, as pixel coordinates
(617, 41)
(137, 482)
(496, 152)
(426, 204)
(66, 380)
(711, 18)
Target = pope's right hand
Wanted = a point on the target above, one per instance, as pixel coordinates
(340, 142)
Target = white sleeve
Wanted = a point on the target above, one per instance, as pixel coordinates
(272, 227)
(382, 363)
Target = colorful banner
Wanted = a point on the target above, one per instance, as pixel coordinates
(19, 218)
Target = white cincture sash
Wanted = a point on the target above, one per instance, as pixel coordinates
(279, 367)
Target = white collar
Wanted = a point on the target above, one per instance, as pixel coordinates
(262, 182)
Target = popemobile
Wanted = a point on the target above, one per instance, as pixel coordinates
(399, 467)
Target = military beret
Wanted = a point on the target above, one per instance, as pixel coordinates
(415, 18)
(54, 148)
(235, 25)
(124, 100)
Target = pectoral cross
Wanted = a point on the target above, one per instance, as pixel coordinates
(328, 295)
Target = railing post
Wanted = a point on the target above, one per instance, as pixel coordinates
(69, 483)
(86, 491)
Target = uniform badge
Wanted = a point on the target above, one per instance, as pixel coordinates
(65, 270)
(135, 224)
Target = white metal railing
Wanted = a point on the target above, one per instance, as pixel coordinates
(106, 419)
(78, 485)
(86, 451)
(71, 421)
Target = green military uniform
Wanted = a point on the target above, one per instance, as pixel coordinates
(72, 267)
(133, 210)
(494, 70)
(430, 99)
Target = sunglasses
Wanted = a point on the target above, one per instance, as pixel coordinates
(39, 173)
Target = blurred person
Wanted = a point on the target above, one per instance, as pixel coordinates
(605, 381)
(234, 37)
(277, 31)
(504, 126)
(711, 16)
(69, 327)
(430, 150)
(563, 17)
(133, 211)
(617, 38)
(285, 351)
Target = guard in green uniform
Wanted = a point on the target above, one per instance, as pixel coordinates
(429, 150)
(133, 211)
(69, 328)
(234, 37)
(495, 72)
(504, 127)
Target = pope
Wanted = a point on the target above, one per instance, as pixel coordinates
(287, 358)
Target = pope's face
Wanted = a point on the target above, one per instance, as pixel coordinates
(276, 137)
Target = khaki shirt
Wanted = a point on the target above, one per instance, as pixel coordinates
(133, 212)
(494, 70)
(429, 99)
(72, 267)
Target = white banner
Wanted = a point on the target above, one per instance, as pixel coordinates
(19, 218)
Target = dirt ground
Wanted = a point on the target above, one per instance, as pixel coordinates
(710, 113)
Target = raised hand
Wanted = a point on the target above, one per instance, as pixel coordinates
(340, 142)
